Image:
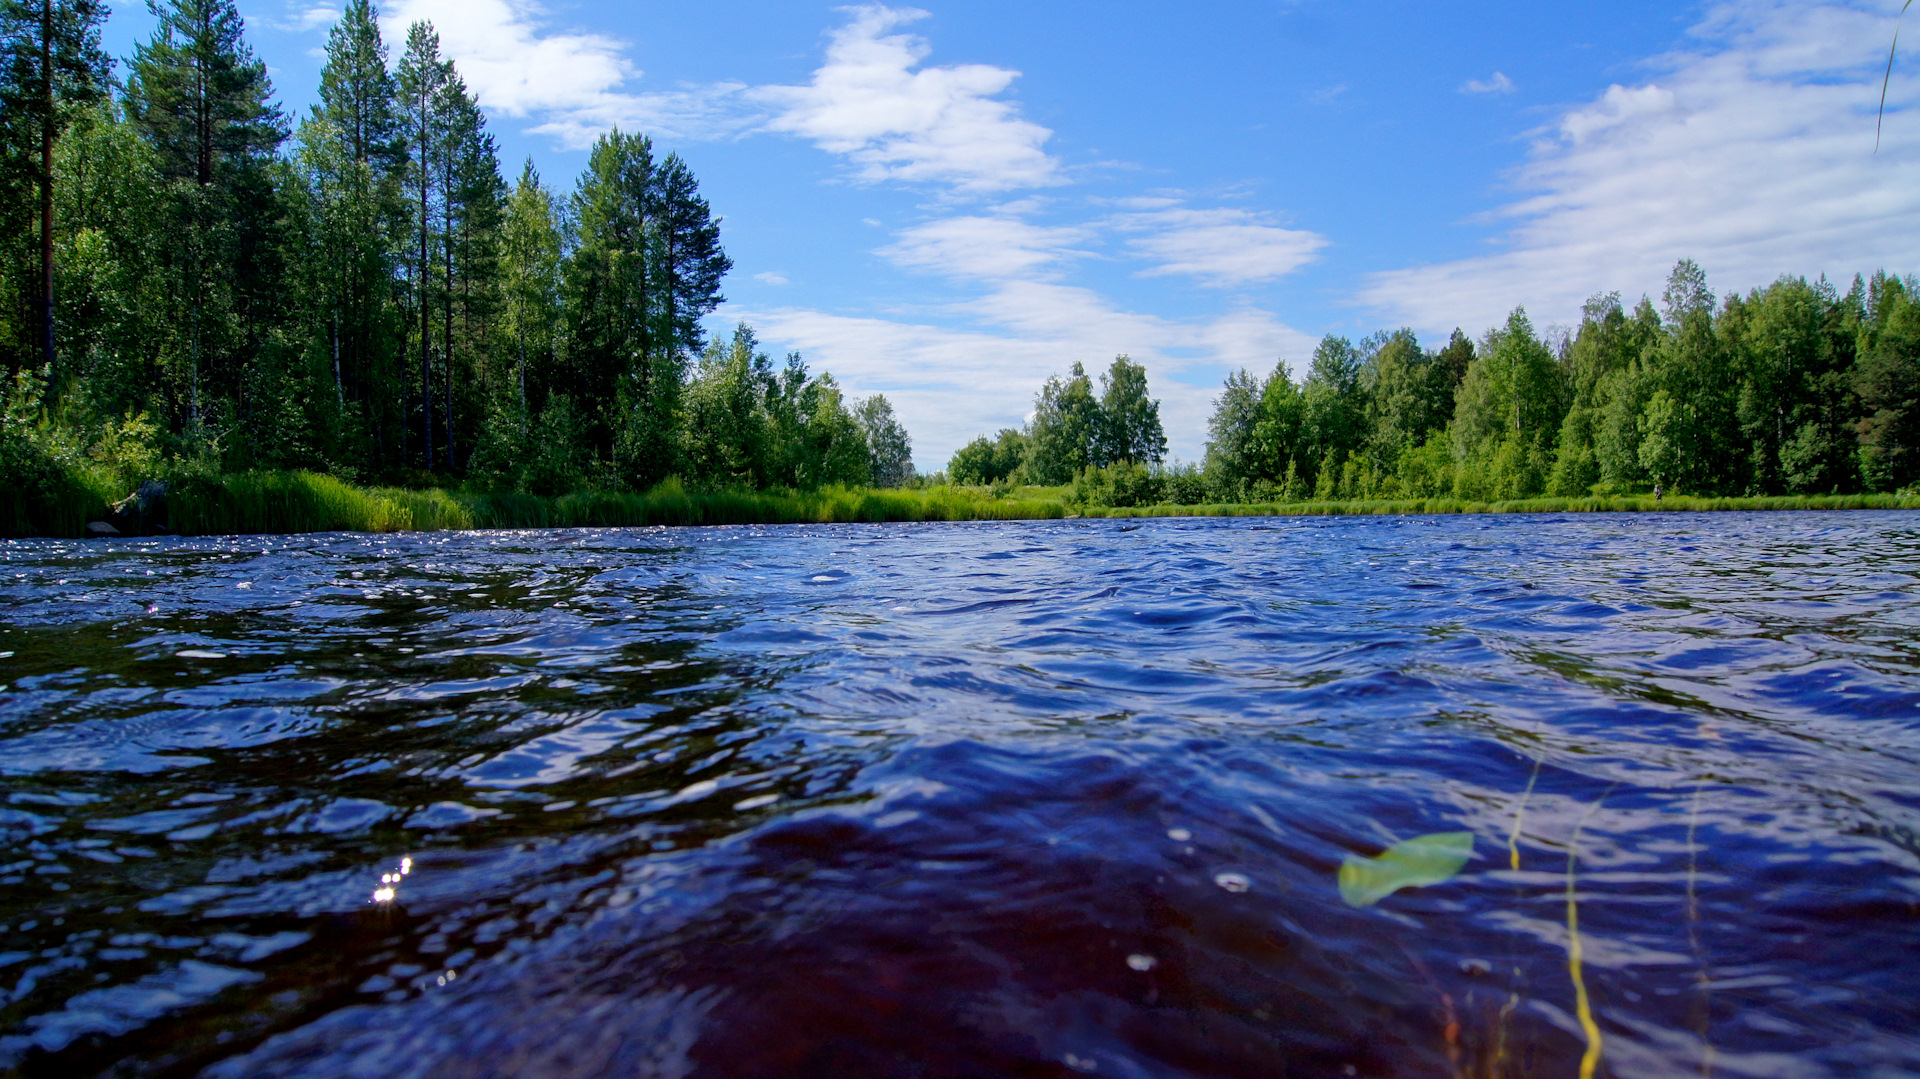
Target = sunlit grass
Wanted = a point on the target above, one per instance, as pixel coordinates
(277, 502)
(264, 502)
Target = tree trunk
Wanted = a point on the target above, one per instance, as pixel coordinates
(46, 183)
(446, 335)
(339, 388)
(426, 306)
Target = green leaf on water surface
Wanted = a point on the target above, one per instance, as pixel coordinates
(1413, 863)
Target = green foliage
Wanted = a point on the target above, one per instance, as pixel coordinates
(376, 302)
(988, 461)
(263, 502)
(1066, 422)
(1887, 380)
(46, 487)
(1794, 388)
(1073, 430)
(890, 449)
(1122, 484)
(1128, 428)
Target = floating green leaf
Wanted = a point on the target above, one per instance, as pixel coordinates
(1414, 863)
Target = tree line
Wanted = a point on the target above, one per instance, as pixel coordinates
(1795, 388)
(191, 279)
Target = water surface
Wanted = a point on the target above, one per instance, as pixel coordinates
(995, 799)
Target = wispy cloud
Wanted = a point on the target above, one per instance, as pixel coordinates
(1499, 84)
(1326, 95)
(972, 364)
(771, 278)
(950, 384)
(1750, 151)
(303, 17)
(1220, 247)
(989, 247)
(874, 103)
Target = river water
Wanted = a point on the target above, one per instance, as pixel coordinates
(996, 799)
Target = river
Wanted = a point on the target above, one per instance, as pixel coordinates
(991, 799)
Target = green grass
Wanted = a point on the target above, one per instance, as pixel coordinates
(1610, 504)
(283, 502)
(271, 502)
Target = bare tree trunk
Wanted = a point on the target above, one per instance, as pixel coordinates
(339, 388)
(426, 305)
(446, 336)
(46, 183)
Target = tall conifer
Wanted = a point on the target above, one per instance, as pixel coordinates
(50, 60)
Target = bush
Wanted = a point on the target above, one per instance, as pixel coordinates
(50, 487)
(1123, 484)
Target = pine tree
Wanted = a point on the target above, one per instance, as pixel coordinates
(361, 213)
(423, 76)
(359, 95)
(201, 98)
(50, 62)
(530, 278)
(646, 267)
(468, 166)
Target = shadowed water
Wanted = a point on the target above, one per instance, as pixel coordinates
(1023, 799)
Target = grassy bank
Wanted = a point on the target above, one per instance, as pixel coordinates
(1612, 504)
(265, 502)
(284, 502)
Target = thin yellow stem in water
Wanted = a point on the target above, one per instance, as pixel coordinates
(1513, 840)
(1693, 932)
(1582, 1010)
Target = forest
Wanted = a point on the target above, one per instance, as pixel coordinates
(1792, 389)
(195, 284)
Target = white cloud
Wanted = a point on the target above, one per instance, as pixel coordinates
(301, 18)
(1499, 84)
(952, 384)
(771, 278)
(971, 366)
(1220, 246)
(569, 81)
(873, 103)
(986, 247)
(1750, 151)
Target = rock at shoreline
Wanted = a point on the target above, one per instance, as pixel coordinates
(142, 513)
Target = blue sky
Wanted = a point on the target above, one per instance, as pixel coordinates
(948, 203)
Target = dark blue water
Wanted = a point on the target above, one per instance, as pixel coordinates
(1026, 799)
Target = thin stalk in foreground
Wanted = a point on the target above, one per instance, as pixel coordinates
(1582, 1009)
(1519, 813)
(1888, 80)
(1702, 976)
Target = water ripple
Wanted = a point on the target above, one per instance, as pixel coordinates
(1035, 798)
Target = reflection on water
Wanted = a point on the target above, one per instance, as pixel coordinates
(1629, 795)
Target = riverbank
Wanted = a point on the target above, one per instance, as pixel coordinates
(292, 502)
(1610, 504)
